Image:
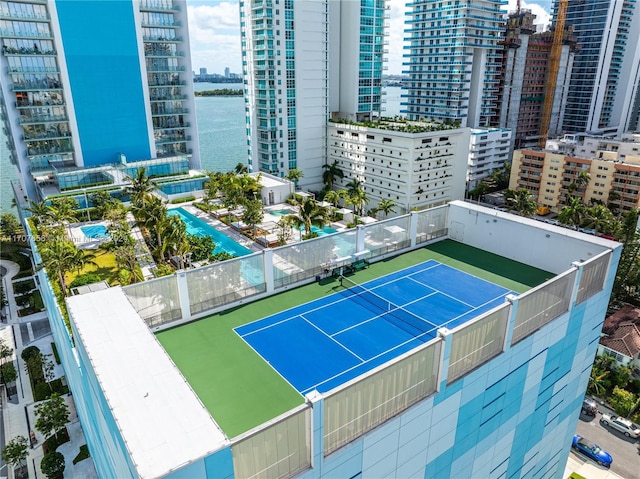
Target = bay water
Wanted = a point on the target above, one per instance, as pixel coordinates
(221, 131)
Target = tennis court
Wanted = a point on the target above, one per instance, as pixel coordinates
(326, 342)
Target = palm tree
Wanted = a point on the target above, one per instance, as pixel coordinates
(353, 186)
(583, 178)
(175, 239)
(330, 174)
(294, 175)
(572, 214)
(151, 218)
(241, 168)
(596, 381)
(386, 205)
(41, 211)
(334, 198)
(141, 186)
(356, 195)
(80, 259)
(57, 258)
(522, 202)
(63, 209)
(309, 214)
(598, 217)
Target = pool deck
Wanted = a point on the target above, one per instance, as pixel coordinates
(268, 224)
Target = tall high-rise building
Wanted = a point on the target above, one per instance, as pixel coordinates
(454, 60)
(604, 80)
(523, 88)
(86, 84)
(298, 78)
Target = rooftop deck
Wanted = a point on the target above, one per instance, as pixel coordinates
(242, 391)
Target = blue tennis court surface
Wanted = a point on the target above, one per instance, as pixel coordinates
(324, 343)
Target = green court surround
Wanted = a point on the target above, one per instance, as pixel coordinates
(241, 391)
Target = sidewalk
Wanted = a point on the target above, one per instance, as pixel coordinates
(588, 470)
(18, 411)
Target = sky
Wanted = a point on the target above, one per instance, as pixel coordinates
(214, 31)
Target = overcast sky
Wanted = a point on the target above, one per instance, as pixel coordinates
(214, 30)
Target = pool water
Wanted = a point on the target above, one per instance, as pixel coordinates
(95, 231)
(283, 212)
(327, 230)
(197, 227)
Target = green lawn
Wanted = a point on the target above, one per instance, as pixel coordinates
(242, 391)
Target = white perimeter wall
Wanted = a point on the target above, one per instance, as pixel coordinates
(525, 240)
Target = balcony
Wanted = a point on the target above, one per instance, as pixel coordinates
(25, 16)
(36, 69)
(158, 6)
(36, 119)
(162, 39)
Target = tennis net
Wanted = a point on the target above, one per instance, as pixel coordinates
(391, 312)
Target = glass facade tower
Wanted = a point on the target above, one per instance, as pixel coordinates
(599, 98)
(92, 83)
(298, 78)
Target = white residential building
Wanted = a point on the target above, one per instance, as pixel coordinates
(454, 60)
(488, 151)
(416, 164)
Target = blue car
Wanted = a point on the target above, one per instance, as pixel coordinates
(592, 451)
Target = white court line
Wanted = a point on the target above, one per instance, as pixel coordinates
(269, 363)
(332, 339)
(315, 386)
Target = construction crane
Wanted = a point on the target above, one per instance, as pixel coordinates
(552, 76)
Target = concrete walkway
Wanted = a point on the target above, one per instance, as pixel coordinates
(18, 410)
(588, 470)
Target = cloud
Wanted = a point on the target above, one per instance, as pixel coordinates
(214, 29)
(540, 9)
(396, 36)
(214, 33)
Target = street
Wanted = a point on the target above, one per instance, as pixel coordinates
(623, 450)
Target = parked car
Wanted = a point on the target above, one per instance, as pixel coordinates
(589, 407)
(621, 424)
(591, 450)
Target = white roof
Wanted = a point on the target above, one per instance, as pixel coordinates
(163, 423)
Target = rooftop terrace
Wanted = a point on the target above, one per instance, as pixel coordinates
(195, 348)
(242, 391)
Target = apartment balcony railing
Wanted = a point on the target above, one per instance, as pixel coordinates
(25, 16)
(36, 85)
(158, 6)
(163, 54)
(173, 24)
(11, 33)
(29, 120)
(168, 97)
(48, 135)
(34, 69)
(48, 150)
(155, 38)
(173, 112)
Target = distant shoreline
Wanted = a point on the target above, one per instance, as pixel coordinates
(223, 92)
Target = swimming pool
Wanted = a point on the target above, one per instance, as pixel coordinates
(95, 231)
(282, 212)
(197, 227)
